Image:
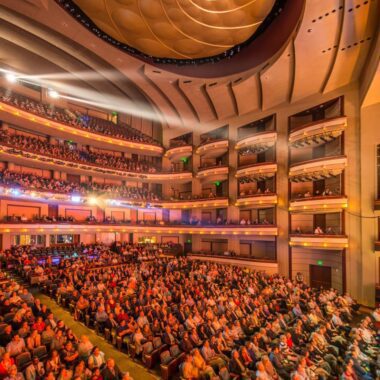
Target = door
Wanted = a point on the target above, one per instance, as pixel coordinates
(320, 276)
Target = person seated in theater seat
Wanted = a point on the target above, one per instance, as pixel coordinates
(318, 231)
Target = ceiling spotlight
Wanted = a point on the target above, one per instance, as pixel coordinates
(11, 77)
(53, 94)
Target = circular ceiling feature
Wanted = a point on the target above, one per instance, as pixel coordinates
(178, 29)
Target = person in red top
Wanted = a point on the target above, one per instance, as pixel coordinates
(6, 363)
(289, 340)
(39, 325)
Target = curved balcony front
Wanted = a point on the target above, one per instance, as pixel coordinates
(315, 170)
(179, 153)
(59, 129)
(213, 174)
(257, 172)
(257, 200)
(330, 242)
(213, 149)
(258, 143)
(193, 203)
(322, 204)
(317, 133)
(91, 227)
(36, 160)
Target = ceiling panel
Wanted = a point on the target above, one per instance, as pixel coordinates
(223, 99)
(355, 40)
(196, 95)
(276, 80)
(315, 46)
(247, 94)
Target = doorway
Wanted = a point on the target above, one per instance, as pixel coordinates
(320, 276)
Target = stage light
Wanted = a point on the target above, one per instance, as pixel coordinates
(53, 94)
(92, 201)
(15, 192)
(75, 198)
(11, 77)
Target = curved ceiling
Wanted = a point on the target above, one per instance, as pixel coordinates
(182, 29)
(328, 50)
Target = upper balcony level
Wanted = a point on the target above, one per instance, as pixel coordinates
(213, 148)
(25, 157)
(257, 172)
(317, 169)
(64, 123)
(317, 132)
(257, 143)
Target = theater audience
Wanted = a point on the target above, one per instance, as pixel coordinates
(75, 118)
(223, 318)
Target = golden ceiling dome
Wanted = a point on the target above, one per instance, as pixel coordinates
(182, 29)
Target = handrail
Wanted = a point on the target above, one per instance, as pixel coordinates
(299, 128)
(327, 158)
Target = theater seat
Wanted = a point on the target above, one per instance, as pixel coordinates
(22, 361)
(169, 365)
(40, 352)
(152, 351)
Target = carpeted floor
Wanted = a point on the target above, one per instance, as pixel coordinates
(136, 370)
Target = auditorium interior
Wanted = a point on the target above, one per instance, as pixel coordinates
(189, 189)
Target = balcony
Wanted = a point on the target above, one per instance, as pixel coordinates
(377, 204)
(317, 133)
(208, 203)
(257, 172)
(257, 200)
(258, 143)
(212, 174)
(213, 149)
(84, 136)
(25, 157)
(179, 153)
(318, 169)
(77, 228)
(323, 241)
(322, 204)
(377, 246)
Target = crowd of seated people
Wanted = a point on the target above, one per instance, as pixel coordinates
(34, 182)
(317, 193)
(35, 345)
(219, 320)
(317, 231)
(257, 192)
(75, 118)
(71, 153)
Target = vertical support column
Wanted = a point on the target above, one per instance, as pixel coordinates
(233, 213)
(282, 186)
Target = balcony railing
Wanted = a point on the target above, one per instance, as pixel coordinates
(258, 171)
(213, 148)
(257, 143)
(259, 200)
(318, 132)
(317, 169)
(213, 173)
(176, 154)
(325, 204)
(88, 227)
(319, 241)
